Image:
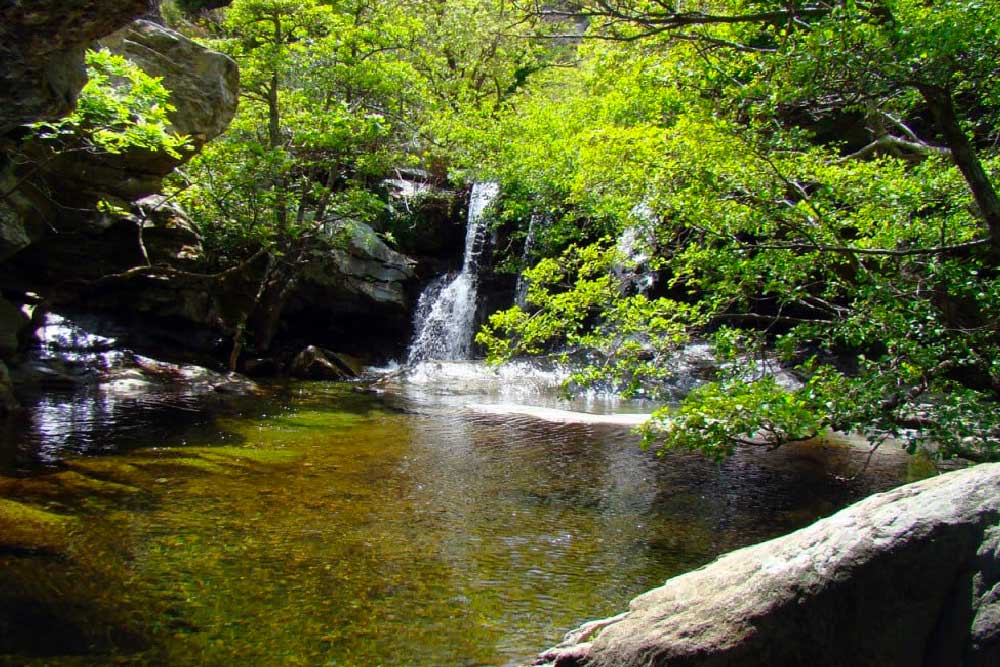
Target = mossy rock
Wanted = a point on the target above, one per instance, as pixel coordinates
(243, 455)
(112, 469)
(216, 460)
(63, 485)
(24, 528)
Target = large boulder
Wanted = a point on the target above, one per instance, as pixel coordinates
(204, 84)
(358, 275)
(204, 90)
(907, 577)
(41, 73)
(151, 230)
(363, 266)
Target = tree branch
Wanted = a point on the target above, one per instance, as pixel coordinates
(889, 141)
(851, 250)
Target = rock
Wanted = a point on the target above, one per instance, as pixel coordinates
(13, 322)
(41, 53)
(52, 375)
(315, 364)
(425, 219)
(168, 235)
(365, 267)
(261, 367)
(204, 89)
(355, 297)
(8, 400)
(204, 84)
(14, 229)
(907, 577)
(25, 528)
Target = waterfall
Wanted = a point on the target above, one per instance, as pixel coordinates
(521, 289)
(633, 247)
(446, 310)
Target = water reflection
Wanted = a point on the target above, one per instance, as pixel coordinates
(328, 527)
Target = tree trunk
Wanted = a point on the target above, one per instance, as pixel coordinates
(963, 153)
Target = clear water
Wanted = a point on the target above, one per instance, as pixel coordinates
(322, 526)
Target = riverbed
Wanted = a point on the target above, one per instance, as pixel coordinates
(327, 524)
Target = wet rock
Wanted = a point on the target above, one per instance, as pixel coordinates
(28, 529)
(8, 400)
(907, 577)
(50, 374)
(13, 324)
(191, 378)
(313, 363)
(63, 486)
(261, 367)
(425, 219)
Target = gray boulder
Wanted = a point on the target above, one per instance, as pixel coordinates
(203, 84)
(41, 74)
(363, 270)
(907, 577)
(204, 89)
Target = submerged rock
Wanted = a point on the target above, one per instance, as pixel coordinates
(29, 529)
(907, 577)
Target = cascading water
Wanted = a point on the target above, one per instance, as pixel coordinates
(446, 311)
(521, 289)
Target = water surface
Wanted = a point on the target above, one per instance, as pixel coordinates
(322, 526)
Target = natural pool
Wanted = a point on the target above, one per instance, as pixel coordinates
(321, 526)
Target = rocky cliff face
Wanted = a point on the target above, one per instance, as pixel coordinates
(908, 577)
(143, 265)
(41, 53)
(42, 43)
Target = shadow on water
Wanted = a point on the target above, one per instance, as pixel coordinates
(320, 526)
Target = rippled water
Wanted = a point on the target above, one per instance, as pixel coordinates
(321, 526)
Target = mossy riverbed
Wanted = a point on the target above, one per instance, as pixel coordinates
(317, 526)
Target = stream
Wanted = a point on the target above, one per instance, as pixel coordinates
(319, 525)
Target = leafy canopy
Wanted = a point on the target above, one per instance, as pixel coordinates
(813, 181)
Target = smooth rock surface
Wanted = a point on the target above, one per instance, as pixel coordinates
(907, 577)
(365, 267)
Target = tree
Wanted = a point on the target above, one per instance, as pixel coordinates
(776, 224)
(336, 96)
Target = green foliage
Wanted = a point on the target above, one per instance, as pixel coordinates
(120, 108)
(803, 180)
